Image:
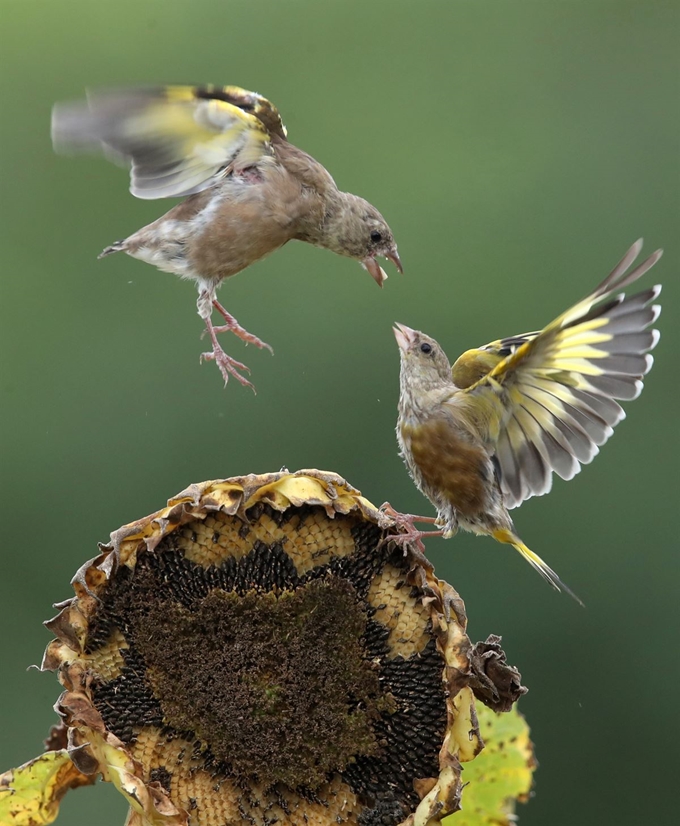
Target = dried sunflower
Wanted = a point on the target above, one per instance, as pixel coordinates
(257, 653)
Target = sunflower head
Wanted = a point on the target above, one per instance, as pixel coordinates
(257, 652)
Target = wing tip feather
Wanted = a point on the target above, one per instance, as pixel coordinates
(638, 385)
(656, 335)
(649, 361)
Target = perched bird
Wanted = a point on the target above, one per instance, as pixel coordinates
(248, 190)
(481, 437)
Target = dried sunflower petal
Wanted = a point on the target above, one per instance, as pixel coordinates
(256, 653)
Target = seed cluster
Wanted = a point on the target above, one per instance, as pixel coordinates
(278, 673)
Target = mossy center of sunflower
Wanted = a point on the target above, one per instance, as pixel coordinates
(278, 687)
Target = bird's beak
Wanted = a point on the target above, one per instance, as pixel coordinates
(404, 335)
(378, 273)
(393, 256)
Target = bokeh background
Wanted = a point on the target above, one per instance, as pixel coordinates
(517, 149)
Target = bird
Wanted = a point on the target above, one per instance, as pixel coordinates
(247, 189)
(481, 437)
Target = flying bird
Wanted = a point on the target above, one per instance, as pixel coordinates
(482, 436)
(248, 190)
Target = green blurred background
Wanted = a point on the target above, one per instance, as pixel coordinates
(517, 150)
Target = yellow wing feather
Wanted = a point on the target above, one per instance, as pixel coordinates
(177, 139)
(549, 396)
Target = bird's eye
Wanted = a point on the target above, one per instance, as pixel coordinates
(376, 236)
(425, 347)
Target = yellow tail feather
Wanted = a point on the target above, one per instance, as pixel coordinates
(509, 538)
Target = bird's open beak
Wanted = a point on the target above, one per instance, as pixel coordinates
(393, 256)
(377, 272)
(404, 335)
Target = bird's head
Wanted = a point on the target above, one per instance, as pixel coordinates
(424, 365)
(359, 231)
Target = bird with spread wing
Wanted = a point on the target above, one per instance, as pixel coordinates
(482, 436)
(248, 190)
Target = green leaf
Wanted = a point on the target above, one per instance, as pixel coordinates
(30, 795)
(499, 775)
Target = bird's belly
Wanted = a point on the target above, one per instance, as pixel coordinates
(451, 472)
(241, 232)
(222, 236)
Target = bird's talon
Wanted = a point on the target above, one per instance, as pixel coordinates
(245, 336)
(232, 326)
(405, 522)
(223, 359)
(229, 367)
(403, 540)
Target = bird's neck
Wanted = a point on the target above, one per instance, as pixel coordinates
(330, 231)
(420, 396)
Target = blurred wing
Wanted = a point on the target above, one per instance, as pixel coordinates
(263, 109)
(177, 139)
(553, 394)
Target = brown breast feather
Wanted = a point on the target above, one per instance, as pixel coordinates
(450, 465)
(241, 233)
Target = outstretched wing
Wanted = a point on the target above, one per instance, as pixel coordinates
(551, 395)
(477, 363)
(177, 139)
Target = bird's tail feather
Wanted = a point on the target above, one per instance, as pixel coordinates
(503, 535)
(119, 246)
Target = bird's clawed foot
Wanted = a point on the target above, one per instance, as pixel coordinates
(408, 534)
(232, 326)
(228, 366)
